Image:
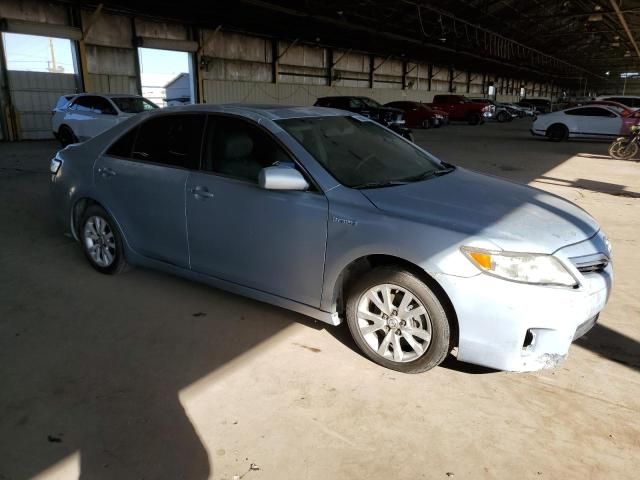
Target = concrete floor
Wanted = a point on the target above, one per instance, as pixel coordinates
(146, 376)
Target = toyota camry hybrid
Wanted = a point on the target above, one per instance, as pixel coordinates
(334, 216)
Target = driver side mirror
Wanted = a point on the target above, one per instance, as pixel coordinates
(281, 177)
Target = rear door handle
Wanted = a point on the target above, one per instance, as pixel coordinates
(201, 192)
(106, 172)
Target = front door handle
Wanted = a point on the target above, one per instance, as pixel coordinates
(201, 192)
(106, 172)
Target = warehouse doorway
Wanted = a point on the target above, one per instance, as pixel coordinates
(166, 76)
(40, 70)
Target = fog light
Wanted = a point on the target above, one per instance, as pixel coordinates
(529, 338)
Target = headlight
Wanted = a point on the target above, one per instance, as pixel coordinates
(531, 268)
(54, 165)
(607, 242)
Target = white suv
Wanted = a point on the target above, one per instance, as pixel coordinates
(76, 118)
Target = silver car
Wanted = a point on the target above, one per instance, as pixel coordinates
(331, 215)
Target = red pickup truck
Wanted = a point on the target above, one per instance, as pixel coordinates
(461, 108)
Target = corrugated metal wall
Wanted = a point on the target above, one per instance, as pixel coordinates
(33, 95)
(235, 68)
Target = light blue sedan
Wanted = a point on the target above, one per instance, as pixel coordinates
(332, 215)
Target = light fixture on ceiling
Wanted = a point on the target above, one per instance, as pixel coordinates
(595, 17)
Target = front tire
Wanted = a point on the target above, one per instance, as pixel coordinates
(397, 321)
(557, 132)
(474, 119)
(66, 136)
(102, 241)
(426, 124)
(503, 117)
(623, 149)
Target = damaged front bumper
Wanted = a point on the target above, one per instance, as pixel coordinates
(520, 327)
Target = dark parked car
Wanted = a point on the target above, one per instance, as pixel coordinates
(418, 114)
(500, 112)
(392, 118)
(461, 108)
(540, 104)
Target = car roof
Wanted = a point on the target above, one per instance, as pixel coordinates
(606, 107)
(108, 95)
(613, 95)
(270, 112)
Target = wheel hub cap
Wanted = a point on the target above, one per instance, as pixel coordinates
(394, 323)
(99, 241)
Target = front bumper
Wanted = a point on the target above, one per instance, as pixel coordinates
(520, 327)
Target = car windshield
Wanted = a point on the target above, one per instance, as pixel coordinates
(133, 104)
(369, 102)
(362, 154)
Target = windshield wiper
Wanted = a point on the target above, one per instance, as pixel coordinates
(431, 173)
(448, 168)
(385, 183)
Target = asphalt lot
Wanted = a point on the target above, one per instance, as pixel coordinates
(148, 376)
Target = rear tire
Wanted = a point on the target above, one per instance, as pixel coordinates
(426, 124)
(503, 117)
(406, 342)
(409, 136)
(66, 136)
(557, 132)
(474, 119)
(101, 241)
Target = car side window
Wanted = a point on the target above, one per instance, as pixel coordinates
(124, 145)
(597, 112)
(356, 103)
(103, 106)
(238, 149)
(172, 140)
(82, 104)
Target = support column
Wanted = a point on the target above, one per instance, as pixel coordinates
(372, 69)
(275, 71)
(429, 76)
(6, 108)
(136, 57)
(330, 66)
(404, 75)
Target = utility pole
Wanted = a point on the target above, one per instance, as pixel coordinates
(53, 68)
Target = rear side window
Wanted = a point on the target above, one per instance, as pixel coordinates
(103, 106)
(172, 140)
(124, 145)
(95, 104)
(82, 104)
(133, 104)
(591, 112)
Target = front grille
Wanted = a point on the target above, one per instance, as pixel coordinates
(591, 263)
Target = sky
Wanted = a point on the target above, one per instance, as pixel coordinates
(33, 53)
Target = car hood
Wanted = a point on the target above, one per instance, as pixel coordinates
(513, 216)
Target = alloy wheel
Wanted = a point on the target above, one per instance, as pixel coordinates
(394, 323)
(99, 241)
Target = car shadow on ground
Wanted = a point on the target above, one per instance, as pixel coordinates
(591, 185)
(612, 345)
(342, 334)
